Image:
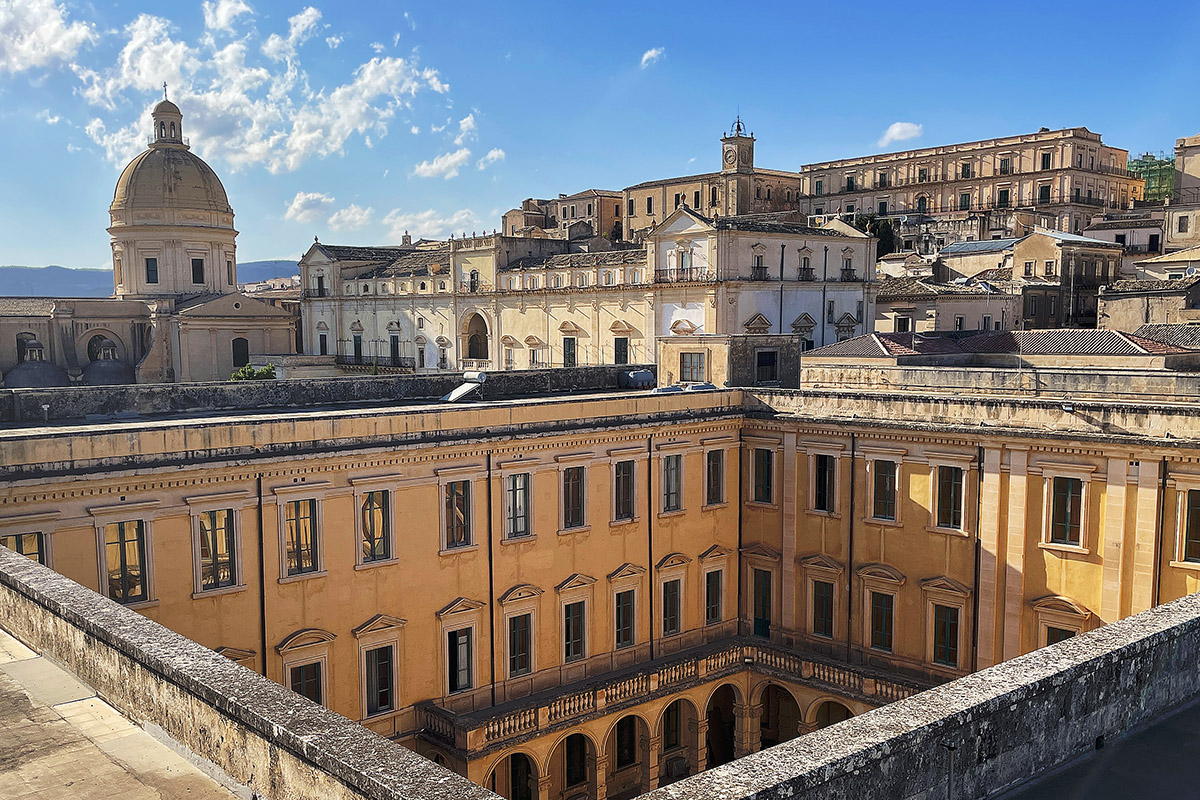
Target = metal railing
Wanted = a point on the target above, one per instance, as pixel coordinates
(309, 294)
(758, 274)
(351, 360)
(678, 275)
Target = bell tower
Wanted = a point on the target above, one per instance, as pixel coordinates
(737, 149)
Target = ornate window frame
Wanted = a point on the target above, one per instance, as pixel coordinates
(362, 487)
(576, 588)
(307, 646)
(43, 523)
(945, 591)
(627, 577)
(521, 599)
(472, 474)
(821, 567)
(1182, 483)
(459, 614)
(881, 579)
(965, 462)
(1083, 472)
(126, 512)
(672, 567)
(1056, 611)
(235, 502)
(316, 491)
(380, 630)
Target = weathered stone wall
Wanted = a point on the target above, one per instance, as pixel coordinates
(261, 735)
(989, 731)
(25, 405)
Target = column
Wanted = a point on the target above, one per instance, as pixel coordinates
(699, 754)
(653, 767)
(787, 571)
(747, 734)
(1145, 537)
(989, 539)
(599, 767)
(1113, 547)
(1014, 578)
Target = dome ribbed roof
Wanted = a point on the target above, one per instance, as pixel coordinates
(166, 107)
(35, 375)
(169, 177)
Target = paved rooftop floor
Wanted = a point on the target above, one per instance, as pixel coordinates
(58, 739)
(1159, 761)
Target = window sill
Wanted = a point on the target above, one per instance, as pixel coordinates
(241, 587)
(947, 531)
(569, 531)
(678, 512)
(382, 562)
(303, 576)
(519, 539)
(140, 604)
(713, 506)
(450, 551)
(1186, 564)
(816, 512)
(889, 523)
(1073, 549)
(618, 523)
(762, 505)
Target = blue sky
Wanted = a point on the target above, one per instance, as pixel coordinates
(356, 121)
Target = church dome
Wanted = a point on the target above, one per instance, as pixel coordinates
(108, 370)
(169, 177)
(35, 372)
(165, 106)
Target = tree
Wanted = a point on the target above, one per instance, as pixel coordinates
(881, 229)
(249, 373)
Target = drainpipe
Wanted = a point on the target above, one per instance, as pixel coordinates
(824, 281)
(491, 584)
(1162, 507)
(262, 580)
(650, 533)
(782, 250)
(850, 549)
(978, 560)
(740, 506)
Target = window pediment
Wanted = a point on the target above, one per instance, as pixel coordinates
(305, 637)
(672, 560)
(509, 341)
(235, 653)
(757, 324)
(570, 328)
(716, 551)
(522, 591)
(944, 584)
(819, 562)
(758, 248)
(626, 570)
(575, 581)
(378, 624)
(804, 323)
(356, 326)
(533, 341)
(883, 573)
(682, 327)
(621, 327)
(459, 605)
(761, 551)
(1061, 605)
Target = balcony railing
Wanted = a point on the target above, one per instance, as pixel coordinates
(679, 275)
(309, 294)
(848, 275)
(351, 360)
(758, 273)
(806, 274)
(486, 728)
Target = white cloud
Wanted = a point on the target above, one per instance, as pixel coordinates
(308, 207)
(350, 218)
(900, 131)
(466, 129)
(445, 166)
(72, 148)
(653, 55)
(409, 20)
(150, 57)
(493, 155)
(220, 15)
(36, 33)
(414, 130)
(50, 119)
(378, 47)
(334, 41)
(300, 29)
(395, 39)
(428, 224)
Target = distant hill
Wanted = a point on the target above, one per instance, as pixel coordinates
(56, 281)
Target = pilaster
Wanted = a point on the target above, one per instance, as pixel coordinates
(747, 735)
(1014, 579)
(1145, 537)
(1113, 546)
(989, 558)
(787, 615)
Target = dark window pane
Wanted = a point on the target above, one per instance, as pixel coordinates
(301, 535)
(519, 645)
(623, 490)
(379, 680)
(624, 618)
(885, 490)
(573, 631)
(945, 635)
(882, 608)
(764, 475)
(573, 494)
(375, 544)
(217, 549)
(458, 522)
(823, 608)
(714, 477)
(949, 497)
(670, 598)
(1065, 520)
(125, 554)
(306, 681)
(712, 596)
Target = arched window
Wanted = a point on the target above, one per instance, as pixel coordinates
(241, 352)
(94, 346)
(922, 203)
(22, 339)
(583, 280)
(713, 199)
(422, 286)
(172, 130)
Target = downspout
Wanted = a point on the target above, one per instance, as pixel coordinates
(978, 561)
(1162, 508)
(782, 250)
(850, 548)
(824, 281)
(491, 584)
(262, 580)
(740, 506)
(650, 534)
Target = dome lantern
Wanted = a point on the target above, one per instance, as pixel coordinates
(168, 123)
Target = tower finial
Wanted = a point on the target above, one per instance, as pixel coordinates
(164, 90)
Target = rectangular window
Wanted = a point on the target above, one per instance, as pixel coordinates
(964, 201)
(27, 544)
(691, 367)
(1045, 161)
(696, 199)
(301, 536)
(516, 505)
(767, 366)
(520, 641)
(670, 608)
(323, 344)
(375, 544)
(217, 549)
(882, 611)
(197, 270)
(1066, 512)
(823, 608)
(819, 188)
(1002, 198)
(903, 324)
(883, 208)
(458, 662)
(1006, 166)
(672, 483)
(764, 475)
(712, 597)
(714, 477)
(575, 771)
(1043, 194)
(627, 750)
(1028, 269)
(672, 726)
(959, 321)
(1191, 531)
(824, 473)
(229, 273)
(379, 680)
(572, 497)
(884, 506)
(1183, 224)
(949, 497)
(945, 635)
(621, 350)
(761, 599)
(394, 348)
(458, 514)
(849, 183)
(305, 680)
(573, 631)
(151, 270)
(1056, 635)
(568, 351)
(631, 209)
(829, 312)
(623, 618)
(649, 205)
(623, 491)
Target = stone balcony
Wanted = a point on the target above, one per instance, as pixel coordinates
(476, 733)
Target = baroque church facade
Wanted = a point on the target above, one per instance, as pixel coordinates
(176, 313)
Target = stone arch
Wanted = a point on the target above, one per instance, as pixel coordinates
(506, 778)
(555, 766)
(781, 717)
(680, 748)
(240, 347)
(475, 335)
(627, 745)
(88, 344)
(719, 712)
(815, 718)
(23, 339)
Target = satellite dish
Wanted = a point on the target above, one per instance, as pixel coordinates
(1190, 271)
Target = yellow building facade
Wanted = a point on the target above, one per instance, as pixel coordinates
(591, 596)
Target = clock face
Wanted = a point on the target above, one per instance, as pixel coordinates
(730, 155)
